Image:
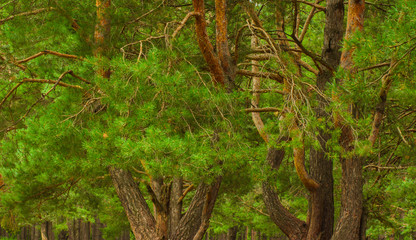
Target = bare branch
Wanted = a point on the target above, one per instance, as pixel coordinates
(34, 12)
(266, 109)
(49, 52)
(48, 81)
(182, 24)
(273, 76)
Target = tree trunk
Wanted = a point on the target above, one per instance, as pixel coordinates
(96, 230)
(293, 227)
(205, 45)
(222, 42)
(349, 223)
(194, 223)
(85, 230)
(138, 213)
(232, 233)
(321, 210)
(175, 206)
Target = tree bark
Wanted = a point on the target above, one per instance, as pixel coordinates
(321, 211)
(138, 213)
(205, 45)
(349, 223)
(222, 43)
(175, 206)
(194, 223)
(293, 227)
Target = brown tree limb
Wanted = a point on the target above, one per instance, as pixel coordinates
(187, 190)
(223, 51)
(255, 101)
(315, 5)
(258, 110)
(205, 45)
(34, 12)
(374, 66)
(51, 53)
(48, 81)
(312, 55)
(273, 76)
(182, 23)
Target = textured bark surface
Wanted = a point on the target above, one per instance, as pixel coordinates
(349, 223)
(222, 43)
(175, 206)
(355, 22)
(321, 211)
(293, 227)
(205, 45)
(195, 221)
(142, 222)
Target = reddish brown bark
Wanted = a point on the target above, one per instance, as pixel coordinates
(222, 42)
(355, 22)
(102, 34)
(205, 44)
(349, 223)
(321, 210)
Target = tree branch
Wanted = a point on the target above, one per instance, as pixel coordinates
(34, 12)
(273, 76)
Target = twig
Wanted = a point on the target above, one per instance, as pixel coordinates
(374, 66)
(186, 192)
(48, 81)
(266, 109)
(266, 91)
(401, 135)
(49, 52)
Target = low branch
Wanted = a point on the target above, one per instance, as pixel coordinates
(273, 76)
(374, 66)
(315, 5)
(266, 109)
(266, 91)
(185, 193)
(312, 55)
(34, 12)
(48, 81)
(183, 22)
(51, 53)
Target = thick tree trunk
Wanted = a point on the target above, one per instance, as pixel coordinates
(222, 42)
(205, 44)
(194, 223)
(349, 224)
(232, 233)
(138, 213)
(321, 210)
(85, 230)
(175, 206)
(293, 227)
(161, 202)
(96, 229)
